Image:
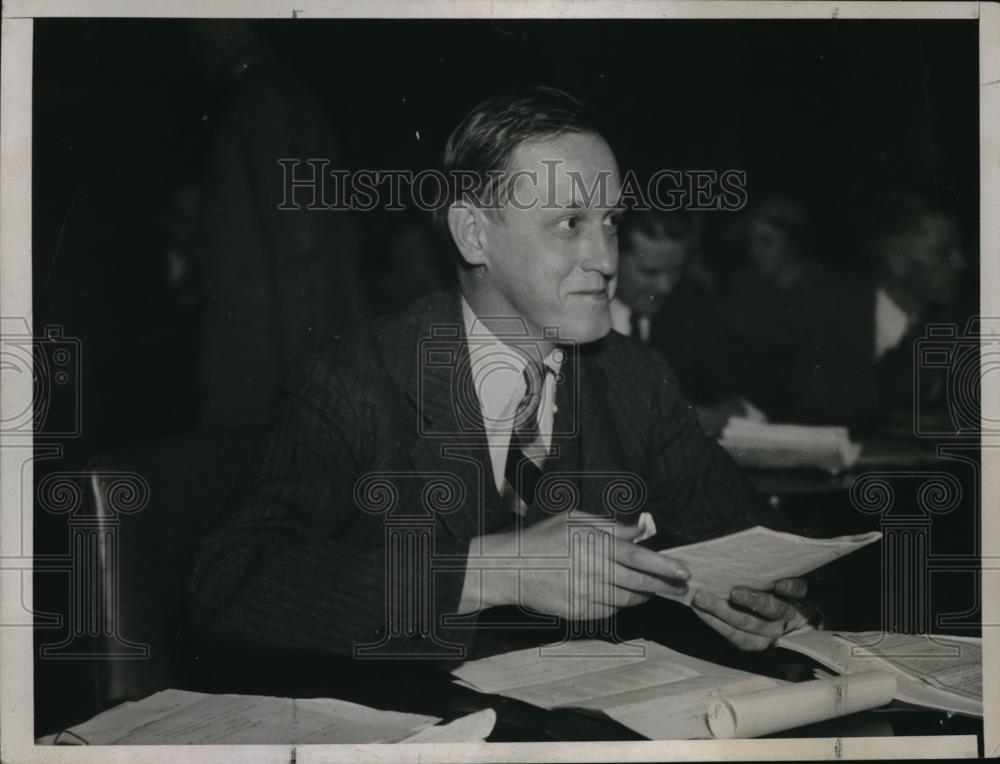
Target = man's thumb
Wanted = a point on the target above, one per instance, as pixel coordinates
(628, 532)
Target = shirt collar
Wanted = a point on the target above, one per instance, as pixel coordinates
(891, 322)
(498, 369)
(621, 316)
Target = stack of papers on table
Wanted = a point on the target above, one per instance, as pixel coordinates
(174, 717)
(663, 694)
(765, 445)
(658, 692)
(933, 671)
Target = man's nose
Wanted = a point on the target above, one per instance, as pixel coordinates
(600, 254)
(666, 282)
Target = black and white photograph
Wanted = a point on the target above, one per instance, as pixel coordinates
(540, 382)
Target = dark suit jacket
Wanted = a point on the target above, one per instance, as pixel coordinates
(836, 378)
(380, 430)
(709, 358)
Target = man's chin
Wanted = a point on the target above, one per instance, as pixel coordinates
(583, 333)
(652, 307)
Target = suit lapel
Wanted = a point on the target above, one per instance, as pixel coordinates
(451, 437)
(602, 457)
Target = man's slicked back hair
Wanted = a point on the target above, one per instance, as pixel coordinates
(484, 141)
(676, 225)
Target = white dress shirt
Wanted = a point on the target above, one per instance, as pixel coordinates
(621, 320)
(498, 378)
(891, 323)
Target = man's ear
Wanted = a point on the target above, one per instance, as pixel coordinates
(468, 230)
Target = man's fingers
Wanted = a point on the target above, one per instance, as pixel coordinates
(625, 598)
(764, 604)
(636, 581)
(627, 532)
(718, 607)
(742, 620)
(792, 588)
(742, 639)
(647, 561)
(591, 611)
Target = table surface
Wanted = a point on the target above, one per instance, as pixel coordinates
(423, 687)
(426, 687)
(877, 453)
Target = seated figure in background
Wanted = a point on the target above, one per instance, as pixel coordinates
(857, 366)
(661, 306)
(769, 303)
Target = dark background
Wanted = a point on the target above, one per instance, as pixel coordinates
(125, 112)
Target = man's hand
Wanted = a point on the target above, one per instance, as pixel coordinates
(580, 568)
(752, 619)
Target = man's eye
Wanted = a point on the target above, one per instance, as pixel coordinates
(568, 224)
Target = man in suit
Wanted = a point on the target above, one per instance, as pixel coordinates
(857, 364)
(659, 303)
(490, 450)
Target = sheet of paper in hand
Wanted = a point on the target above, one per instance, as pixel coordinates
(756, 558)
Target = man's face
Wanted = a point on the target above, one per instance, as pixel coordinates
(650, 270)
(929, 261)
(551, 256)
(771, 251)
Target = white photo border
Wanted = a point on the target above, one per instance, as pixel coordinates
(16, 643)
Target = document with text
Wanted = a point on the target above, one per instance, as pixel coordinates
(757, 557)
(651, 689)
(656, 691)
(182, 717)
(933, 671)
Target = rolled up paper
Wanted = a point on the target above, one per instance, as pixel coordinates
(789, 706)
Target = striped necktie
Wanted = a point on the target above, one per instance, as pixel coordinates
(527, 453)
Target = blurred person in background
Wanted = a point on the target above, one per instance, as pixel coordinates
(407, 262)
(272, 279)
(661, 304)
(768, 299)
(857, 367)
(769, 302)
